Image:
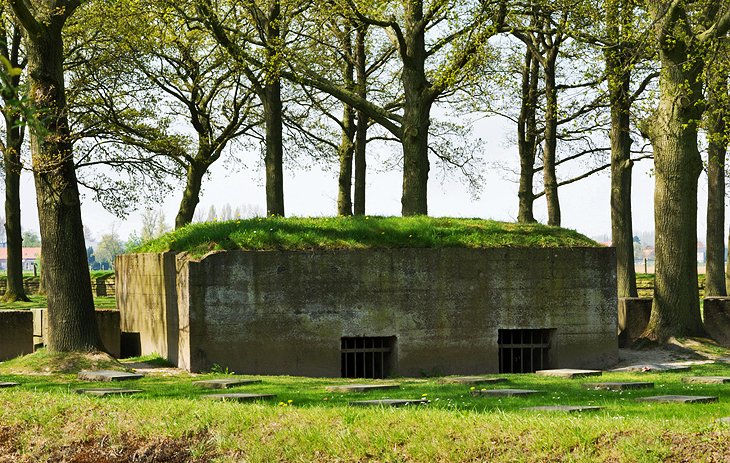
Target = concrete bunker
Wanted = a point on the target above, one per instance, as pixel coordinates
(373, 312)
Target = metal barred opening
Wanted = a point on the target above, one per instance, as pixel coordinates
(367, 357)
(524, 351)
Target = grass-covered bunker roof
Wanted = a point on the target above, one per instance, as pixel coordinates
(305, 233)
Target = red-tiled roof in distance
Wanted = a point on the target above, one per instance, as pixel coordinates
(28, 253)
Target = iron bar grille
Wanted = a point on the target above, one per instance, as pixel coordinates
(523, 351)
(367, 357)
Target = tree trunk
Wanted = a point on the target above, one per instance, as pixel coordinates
(618, 66)
(273, 113)
(551, 138)
(191, 195)
(71, 318)
(11, 158)
(416, 114)
(527, 138)
(361, 132)
(672, 130)
(716, 151)
(345, 153)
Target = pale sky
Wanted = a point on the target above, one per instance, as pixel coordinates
(312, 192)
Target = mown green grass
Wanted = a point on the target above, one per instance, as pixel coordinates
(38, 301)
(299, 233)
(320, 426)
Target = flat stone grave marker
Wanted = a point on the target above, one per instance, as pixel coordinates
(473, 380)
(388, 402)
(652, 368)
(108, 391)
(239, 397)
(8, 384)
(568, 373)
(725, 420)
(108, 375)
(706, 379)
(681, 399)
(361, 387)
(504, 392)
(618, 386)
(225, 383)
(565, 408)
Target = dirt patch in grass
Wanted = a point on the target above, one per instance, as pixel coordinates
(708, 447)
(122, 449)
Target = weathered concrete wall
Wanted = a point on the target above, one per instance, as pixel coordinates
(147, 301)
(16, 333)
(285, 312)
(633, 318)
(716, 312)
(107, 319)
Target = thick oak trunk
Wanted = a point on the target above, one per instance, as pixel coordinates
(527, 138)
(618, 68)
(191, 195)
(71, 317)
(416, 114)
(551, 139)
(672, 130)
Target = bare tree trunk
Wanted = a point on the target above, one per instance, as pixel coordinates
(71, 317)
(551, 138)
(11, 157)
(273, 114)
(346, 149)
(14, 134)
(416, 114)
(672, 130)
(191, 195)
(361, 131)
(716, 152)
(527, 137)
(618, 67)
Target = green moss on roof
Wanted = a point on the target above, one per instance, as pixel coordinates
(306, 233)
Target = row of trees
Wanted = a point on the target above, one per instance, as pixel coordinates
(155, 91)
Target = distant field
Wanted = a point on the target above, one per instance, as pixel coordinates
(36, 301)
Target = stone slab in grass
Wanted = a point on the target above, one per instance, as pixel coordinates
(565, 408)
(679, 399)
(233, 397)
(618, 386)
(108, 391)
(706, 379)
(652, 368)
(504, 392)
(8, 384)
(225, 383)
(108, 375)
(725, 420)
(472, 380)
(568, 373)
(361, 387)
(388, 402)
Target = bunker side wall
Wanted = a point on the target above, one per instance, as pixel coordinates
(286, 312)
(147, 301)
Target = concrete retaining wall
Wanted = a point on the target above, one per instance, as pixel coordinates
(16, 333)
(286, 312)
(107, 320)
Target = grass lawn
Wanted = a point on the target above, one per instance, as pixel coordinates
(45, 420)
(300, 233)
(105, 302)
